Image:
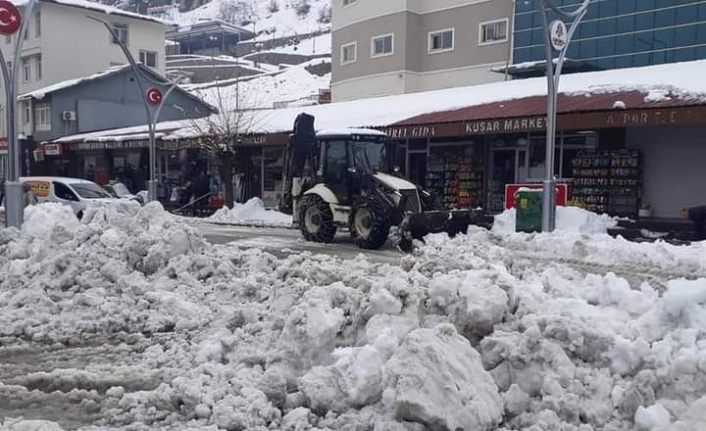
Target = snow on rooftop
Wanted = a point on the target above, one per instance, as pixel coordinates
(678, 79)
(42, 92)
(98, 7)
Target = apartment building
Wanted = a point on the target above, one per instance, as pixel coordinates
(404, 46)
(62, 43)
(616, 34)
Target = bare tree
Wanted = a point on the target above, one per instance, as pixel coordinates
(221, 135)
(239, 12)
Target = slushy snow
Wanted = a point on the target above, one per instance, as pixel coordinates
(565, 331)
(251, 212)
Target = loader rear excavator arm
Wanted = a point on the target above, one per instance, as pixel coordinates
(301, 159)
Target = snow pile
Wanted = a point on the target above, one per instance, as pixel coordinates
(252, 212)
(568, 219)
(470, 334)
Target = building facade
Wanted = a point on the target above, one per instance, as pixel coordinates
(618, 34)
(62, 43)
(404, 46)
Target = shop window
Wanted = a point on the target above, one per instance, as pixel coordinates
(522, 38)
(607, 26)
(273, 172)
(626, 6)
(523, 21)
(625, 44)
(701, 33)
(685, 36)
(702, 12)
(645, 5)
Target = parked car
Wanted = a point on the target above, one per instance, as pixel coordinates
(120, 191)
(74, 192)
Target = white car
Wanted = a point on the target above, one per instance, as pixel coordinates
(74, 192)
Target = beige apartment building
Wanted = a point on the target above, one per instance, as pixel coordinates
(384, 47)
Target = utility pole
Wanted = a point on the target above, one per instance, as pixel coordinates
(14, 202)
(556, 39)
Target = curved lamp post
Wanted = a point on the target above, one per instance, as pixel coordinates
(152, 111)
(557, 38)
(14, 203)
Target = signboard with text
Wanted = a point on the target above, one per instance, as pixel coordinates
(562, 193)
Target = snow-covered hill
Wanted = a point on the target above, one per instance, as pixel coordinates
(262, 17)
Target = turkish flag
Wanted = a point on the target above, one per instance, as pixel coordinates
(10, 18)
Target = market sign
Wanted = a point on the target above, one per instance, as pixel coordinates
(40, 189)
(511, 190)
(558, 35)
(510, 125)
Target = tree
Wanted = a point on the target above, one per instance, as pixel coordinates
(302, 7)
(325, 14)
(238, 12)
(273, 7)
(221, 134)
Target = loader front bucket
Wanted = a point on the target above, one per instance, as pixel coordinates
(417, 226)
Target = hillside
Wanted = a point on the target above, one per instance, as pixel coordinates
(267, 18)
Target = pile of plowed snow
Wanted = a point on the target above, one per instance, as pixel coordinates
(459, 337)
(252, 212)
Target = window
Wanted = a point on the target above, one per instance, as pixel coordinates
(148, 58)
(349, 53)
(121, 33)
(38, 67)
(336, 162)
(26, 70)
(26, 112)
(349, 2)
(493, 32)
(441, 41)
(42, 116)
(62, 191)
(37, 23)
(382, 46)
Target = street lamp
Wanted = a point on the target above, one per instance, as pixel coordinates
(152, 99)
(14, 205)
(556, 39)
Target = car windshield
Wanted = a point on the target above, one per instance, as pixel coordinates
(120, 190)
(369, 155)
(90, 191)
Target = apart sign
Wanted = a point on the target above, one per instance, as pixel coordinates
(558, 35)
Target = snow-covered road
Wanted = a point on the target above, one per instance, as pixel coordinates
(130, 321)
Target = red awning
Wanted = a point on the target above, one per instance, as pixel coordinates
(537, 105)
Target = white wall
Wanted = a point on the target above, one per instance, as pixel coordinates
(674, 167)
(400, 82)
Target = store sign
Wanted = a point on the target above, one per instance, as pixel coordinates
(410, 132)
(3, 145)
(562, 193)
(510, 125)
(52, 149)
(558, 35)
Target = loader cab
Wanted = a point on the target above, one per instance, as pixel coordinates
(347, 155)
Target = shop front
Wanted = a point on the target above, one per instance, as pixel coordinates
(645, 162)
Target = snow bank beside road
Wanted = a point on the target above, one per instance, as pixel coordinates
(252, 212)
(568, 219)
(463, 336)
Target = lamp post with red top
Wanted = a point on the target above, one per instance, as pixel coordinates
(10, 23)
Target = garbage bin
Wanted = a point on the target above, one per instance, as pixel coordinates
(529, 211)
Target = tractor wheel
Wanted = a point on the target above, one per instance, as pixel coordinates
(370, 225)
(316, 219)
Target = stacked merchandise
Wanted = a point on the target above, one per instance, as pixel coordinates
(608, 182)
(457, 180)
